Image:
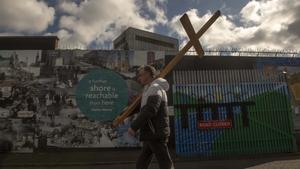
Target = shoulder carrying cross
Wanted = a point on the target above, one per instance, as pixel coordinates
(193, 42)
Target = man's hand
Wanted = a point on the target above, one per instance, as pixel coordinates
(131, 131)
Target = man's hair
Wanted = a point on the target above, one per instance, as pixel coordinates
(149, 69)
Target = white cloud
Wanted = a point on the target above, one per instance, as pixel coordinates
(265, 24)
(30, 16)
(252, 12)
(69, 7)
(94, 21)
(157, 10)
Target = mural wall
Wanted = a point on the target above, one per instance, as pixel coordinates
(47, 97)
(68, 99)
(240, 106)
(231, 112)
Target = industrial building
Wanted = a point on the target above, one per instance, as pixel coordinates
(136, 39)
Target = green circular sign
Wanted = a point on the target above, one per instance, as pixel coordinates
(102, 94)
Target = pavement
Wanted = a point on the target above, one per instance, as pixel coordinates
(125, 159)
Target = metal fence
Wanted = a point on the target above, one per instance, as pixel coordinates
(231, 112)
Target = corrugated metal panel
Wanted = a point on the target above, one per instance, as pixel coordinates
(223, 112)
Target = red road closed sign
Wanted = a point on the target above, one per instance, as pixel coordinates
(215, 124)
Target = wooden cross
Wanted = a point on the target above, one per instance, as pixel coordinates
(185, 21)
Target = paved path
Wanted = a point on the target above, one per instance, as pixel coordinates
(88, 160)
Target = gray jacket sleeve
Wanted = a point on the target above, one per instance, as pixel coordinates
(149, 110)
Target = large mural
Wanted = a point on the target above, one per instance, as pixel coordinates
(68, 98)
(238, 110)
(226, 112)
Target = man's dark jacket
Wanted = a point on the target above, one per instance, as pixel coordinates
(153, 119)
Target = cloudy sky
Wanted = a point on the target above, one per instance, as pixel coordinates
(261, 24)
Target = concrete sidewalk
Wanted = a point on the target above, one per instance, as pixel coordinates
(214, 164)
(125, 159)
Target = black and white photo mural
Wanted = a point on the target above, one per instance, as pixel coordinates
(68, 98)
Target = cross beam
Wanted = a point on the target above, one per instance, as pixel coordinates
(188, 27)
(193, 42)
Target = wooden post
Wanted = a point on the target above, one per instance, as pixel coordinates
(173, 62)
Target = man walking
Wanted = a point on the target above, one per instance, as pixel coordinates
(153, 120)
